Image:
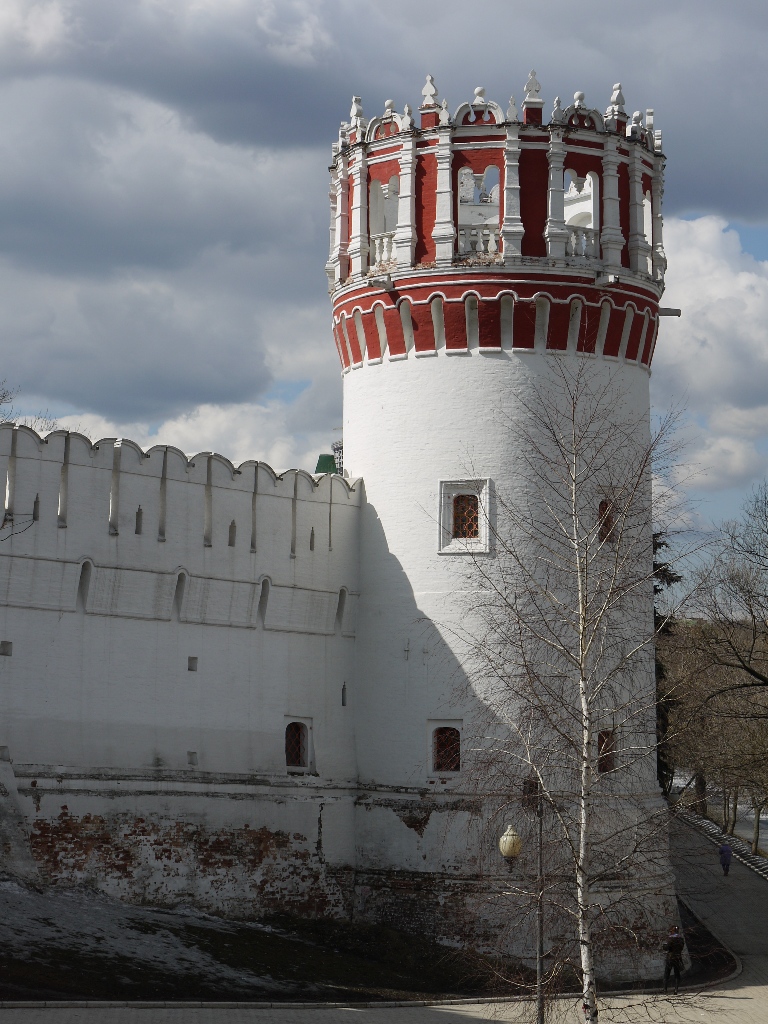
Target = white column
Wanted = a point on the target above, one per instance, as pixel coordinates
(444, 232)
(358, 241)
(330, 268)
(658, 256)
(639, 246)
(611, 238)
(405, 235)
(338, 264)
(555, 232)
(512, 225)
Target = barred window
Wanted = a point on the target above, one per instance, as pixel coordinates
(446, 749)
(606, 751)
(296, 745)
(466, 521)
(607, 522)
(531, 791)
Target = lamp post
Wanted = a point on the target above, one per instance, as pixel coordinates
(510, 846)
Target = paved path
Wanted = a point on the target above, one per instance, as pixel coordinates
(734, 908)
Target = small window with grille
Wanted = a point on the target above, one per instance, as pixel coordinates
(446, 749)
(606, 751)
(606, 530)
(466, 518)
(296, 746)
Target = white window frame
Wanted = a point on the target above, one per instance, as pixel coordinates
(447, 544)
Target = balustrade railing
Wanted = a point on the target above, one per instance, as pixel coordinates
(383, 248)
(478, 241)
(582, 241)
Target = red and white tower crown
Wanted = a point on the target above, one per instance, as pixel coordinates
(496, 229)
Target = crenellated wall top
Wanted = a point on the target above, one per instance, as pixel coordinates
(68, 498)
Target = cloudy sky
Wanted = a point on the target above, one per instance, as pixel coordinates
(163, 201)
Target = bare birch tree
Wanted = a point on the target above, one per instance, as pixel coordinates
(564, 666)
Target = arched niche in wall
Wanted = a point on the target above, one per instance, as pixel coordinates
(582, 213)
(340, 606)
(83, 585)
(178, 595)
(263, 600)
(479, 211)
(383, 203)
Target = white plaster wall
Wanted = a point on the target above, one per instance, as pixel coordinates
(108, 685)
(408, 424)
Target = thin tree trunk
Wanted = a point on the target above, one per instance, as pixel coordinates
(583, 894)
(758, 809)
(700, 789)
(734, 809)
(726, 804)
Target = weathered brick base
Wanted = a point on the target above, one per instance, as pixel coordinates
(249, 849)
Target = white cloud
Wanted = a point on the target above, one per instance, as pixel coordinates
(36, 27)
(716, 356)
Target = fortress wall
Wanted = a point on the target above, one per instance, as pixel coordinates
(243, 847)
(103, 620)
(88, 496)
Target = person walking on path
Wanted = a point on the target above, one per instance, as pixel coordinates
(726, 852)
(673, 963)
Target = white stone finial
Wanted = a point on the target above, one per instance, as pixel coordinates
(649, 119)
(617, 98)
(578, 99)
(635, 129)
(429, 92)
(532, 87)
(407, 120)
(557, 112)
(357, 108)
(512, 114)
(389, 108)
(479, 97)
(445, 117)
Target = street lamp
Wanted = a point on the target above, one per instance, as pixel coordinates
(510, 846)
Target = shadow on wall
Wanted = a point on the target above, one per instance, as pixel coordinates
(427, 856)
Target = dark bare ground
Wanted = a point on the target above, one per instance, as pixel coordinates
(77, 944)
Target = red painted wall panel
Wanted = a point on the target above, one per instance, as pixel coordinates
(615, 330)
(384, 171)
(394, 326)
(489, 320)
(426, 200)
(354, 344)
(590, 324)
(559, 318)
(534, 179)
(372, 343)
(633, 342)
(455, 320)
(341, 346)
(650, 338)
(524, 324)
(423, 329)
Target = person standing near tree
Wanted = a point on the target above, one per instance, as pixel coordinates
(674, 956)
(726, 853)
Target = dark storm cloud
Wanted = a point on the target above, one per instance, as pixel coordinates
(281, 73)
(103, 180)
(163, 173)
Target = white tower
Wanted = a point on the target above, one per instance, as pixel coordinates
(465, 252)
